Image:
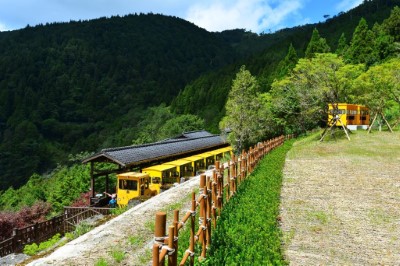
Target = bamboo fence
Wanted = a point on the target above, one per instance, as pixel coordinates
(213, 194)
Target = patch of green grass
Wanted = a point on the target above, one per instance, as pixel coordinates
(118, 255)
(118, 210)
(33, 249)
(81, 229)
(150, 225)
(145, 257)
(320, 217)
(101, 262)
(379, 216)
(288, 236)
(135, 241)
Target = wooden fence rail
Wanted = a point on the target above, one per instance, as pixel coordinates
(43, 231)
(35, 233)
(209, 204)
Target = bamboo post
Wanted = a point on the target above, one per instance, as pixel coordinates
(203, 233)
(156, 254)
(192, 229)
(202, 215)
(159, 235)
(214, 206)
(209, 207)
(176, 230)
(171, 250)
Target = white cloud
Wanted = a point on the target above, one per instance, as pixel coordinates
(254, 15)
(3, 27)
(346, 5)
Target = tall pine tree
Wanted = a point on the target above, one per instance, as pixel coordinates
(288, 63)
(342, 45)
(362, 46)
(242, 109)
(317, 44)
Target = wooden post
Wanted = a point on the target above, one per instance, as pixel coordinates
(214, 200)
(203, 234)
(176, 223)
(192, 228)
(209, 207)
(159, 232)
(156, 254)
(107, 184)
(202, 214)
(171, 234)
(92, 182)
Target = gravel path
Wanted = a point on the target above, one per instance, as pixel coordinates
(129, 234)
(341, 201)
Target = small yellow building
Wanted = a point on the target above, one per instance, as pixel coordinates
(351, 116)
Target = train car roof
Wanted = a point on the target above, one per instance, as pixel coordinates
(178, 162)
(136, 174)
(159, 167)
(194, 158)
(180, 146)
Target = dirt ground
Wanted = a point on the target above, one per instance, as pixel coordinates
(341, 201)
(126, 239)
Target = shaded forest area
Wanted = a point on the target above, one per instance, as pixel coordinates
(84, 85)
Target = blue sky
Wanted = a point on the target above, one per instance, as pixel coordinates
(213, 15)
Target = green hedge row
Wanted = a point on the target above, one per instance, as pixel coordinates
(247, 232)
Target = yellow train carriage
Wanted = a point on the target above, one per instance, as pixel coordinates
(223, 152)
(209, 158)
(351, 115)
(364, 115)
(133, 185)
(166, 174)
(183, 167)
(197, 163)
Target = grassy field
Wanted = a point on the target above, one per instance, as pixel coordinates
(341, 200)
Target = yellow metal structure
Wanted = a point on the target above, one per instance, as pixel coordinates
(209, 158)
(223, 152)
(167, 174)
(182, 166)
(197, 163)
(133, 185)
(349, 114)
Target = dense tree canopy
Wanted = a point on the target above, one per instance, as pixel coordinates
(242, 110)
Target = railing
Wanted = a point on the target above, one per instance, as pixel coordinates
(35, 233)
(43, 231)
(74, 215)
(209, 203)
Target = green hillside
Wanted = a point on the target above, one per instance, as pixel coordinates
(67, 88)
(206, 96)
(71, 87)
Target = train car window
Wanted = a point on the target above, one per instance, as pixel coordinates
(128, 184)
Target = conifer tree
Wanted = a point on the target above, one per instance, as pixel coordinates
(392, 24)
(361, 50)
(242, 109)
(317, 44)
(288, 63)
(342, 45)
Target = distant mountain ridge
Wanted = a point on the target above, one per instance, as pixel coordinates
(72, 87)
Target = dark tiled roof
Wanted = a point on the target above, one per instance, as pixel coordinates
(133, 155)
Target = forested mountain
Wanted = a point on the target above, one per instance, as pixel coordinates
(70, 87)
(207, 95)
(84, 85)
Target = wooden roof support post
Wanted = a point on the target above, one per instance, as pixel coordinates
(92, 182)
